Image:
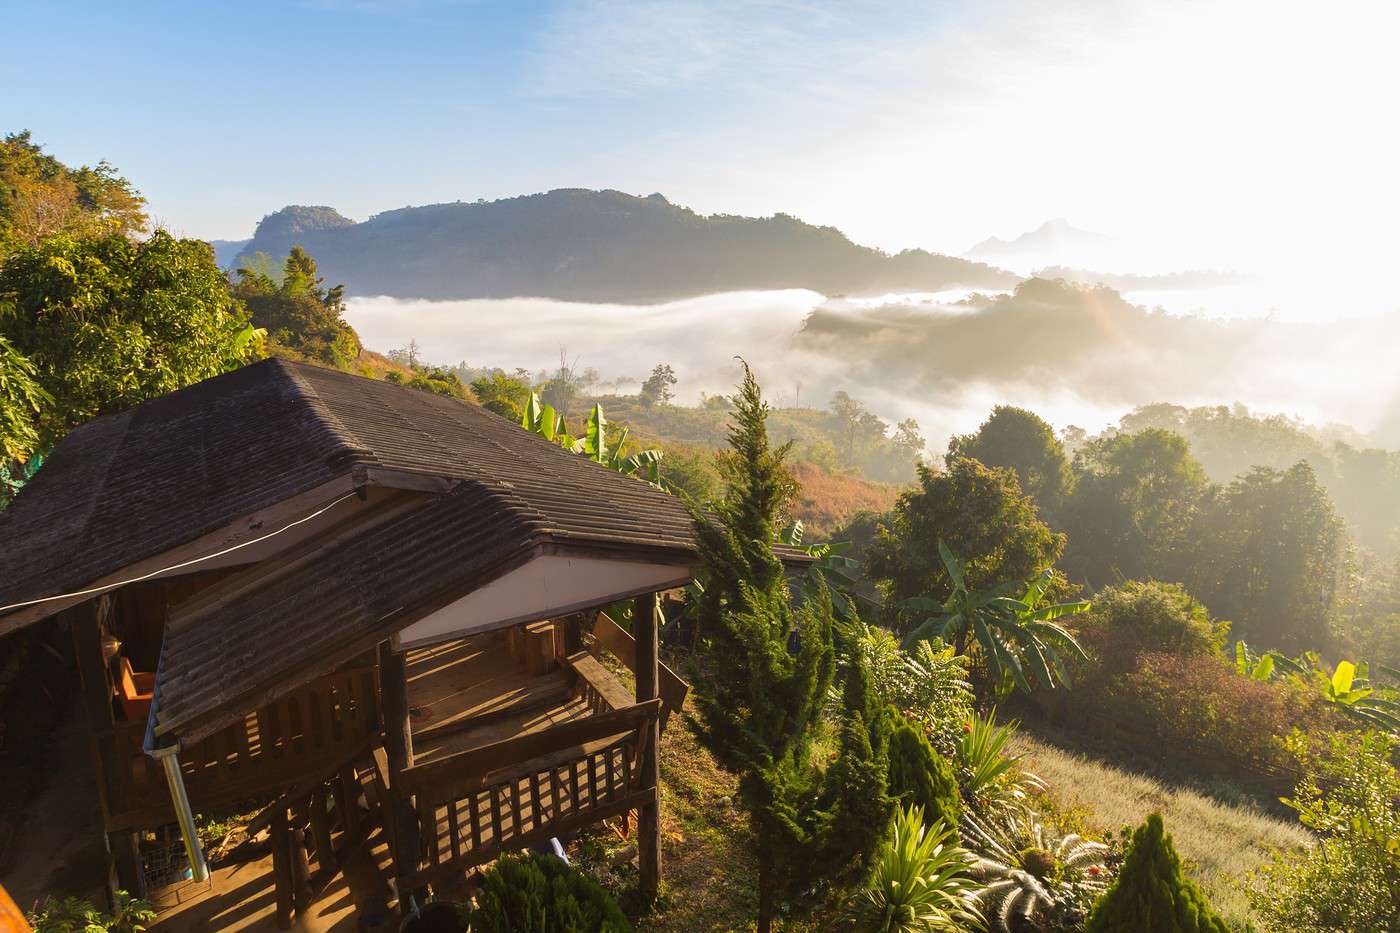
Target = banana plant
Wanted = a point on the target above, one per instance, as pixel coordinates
(1017, 636)
(1347, 686)
(832, 565)
(542, 419)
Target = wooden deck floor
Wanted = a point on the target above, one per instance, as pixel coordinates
(478, 679)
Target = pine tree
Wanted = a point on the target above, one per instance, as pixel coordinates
(771, 664)
(919, 776)
(1151, 894)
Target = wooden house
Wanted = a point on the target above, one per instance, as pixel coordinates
(360, 602)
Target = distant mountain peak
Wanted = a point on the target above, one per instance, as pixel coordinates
(296, 219)
(1053, 241)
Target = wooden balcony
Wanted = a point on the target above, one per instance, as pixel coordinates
(313, 730)
(504, 759)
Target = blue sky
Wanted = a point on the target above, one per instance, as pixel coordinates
(1205, 130)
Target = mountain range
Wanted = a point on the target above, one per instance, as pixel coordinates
(583, 245)
(1055, 241)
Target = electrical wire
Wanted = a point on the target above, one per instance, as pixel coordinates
(197, 560)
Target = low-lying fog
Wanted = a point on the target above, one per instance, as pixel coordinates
(1074, 356)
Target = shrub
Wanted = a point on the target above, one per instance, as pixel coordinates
(1351, 879)
(1131, 618)
(75, 915)
(1151, 893)
(988, 776)
(1201, 707)
(929, 686)
(922, 777)
(919, 882)
(534, 893)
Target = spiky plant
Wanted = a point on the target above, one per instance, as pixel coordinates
(1035, 878)
(920, 881)
(989, 775)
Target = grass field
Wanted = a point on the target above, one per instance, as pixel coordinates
(1219, 842)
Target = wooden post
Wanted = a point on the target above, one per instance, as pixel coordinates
(644, 630)
(281, 866)
(347, 803)
(301, 869)
(398, 748)
(86, 622)
(321, 833)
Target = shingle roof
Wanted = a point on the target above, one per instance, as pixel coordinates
(123, 488)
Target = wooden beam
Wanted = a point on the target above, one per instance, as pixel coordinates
(644, 627)
(281, 866)
(398, 747)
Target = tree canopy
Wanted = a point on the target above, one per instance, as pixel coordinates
(41, 197)
(303, 318)
(980, 514)
(1024, 442)
(106, 323)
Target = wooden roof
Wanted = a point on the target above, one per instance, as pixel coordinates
(125, 488)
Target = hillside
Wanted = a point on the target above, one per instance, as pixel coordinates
(582, 245)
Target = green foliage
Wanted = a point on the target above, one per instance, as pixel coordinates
(920, 881)
(611, 451)
(1134, 617)
(107, 323)
(1271, 552)
(859, 440)
(1022, 441)
(1152, 894)
(1015, 635)
(41, 197)
(760, 701)
(536, 893)
(1130, 514)
(989, 776)
(919, 775)
(1351, 879)
(501, 393)
(929, 687)
(980, 514)
(1035, 877)
(75, 915)
(21, 401)
(303, 319)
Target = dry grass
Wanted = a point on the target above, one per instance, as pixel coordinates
(1220, 843)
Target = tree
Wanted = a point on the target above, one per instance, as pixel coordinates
(1151, 893)
(304, 320)
(1130, 513)
(505, 395)
(107, 323)
(981, 515)
(1021, 440)
(41, 197)
(771, 664)
(1270, 557)
(921, 777)
(657, 389)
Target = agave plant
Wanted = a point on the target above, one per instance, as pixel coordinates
(920, 881)
(1019, 637)
(989, 776)
(1034, 878)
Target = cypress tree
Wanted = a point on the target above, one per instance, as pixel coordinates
(920, 776)
(770, 665)
(1151, 894)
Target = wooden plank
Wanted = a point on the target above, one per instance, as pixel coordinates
(493, 757)
(281, 866)
(597, 677)
(321, 832)
(646, 624)
(609, 636)
(553, 828)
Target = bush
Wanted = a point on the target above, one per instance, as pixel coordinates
(922, 777)
(1201, 707)
(1351, 879)
(535, 893)
(1135, 617)
(75, 915)
(1151, 894)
